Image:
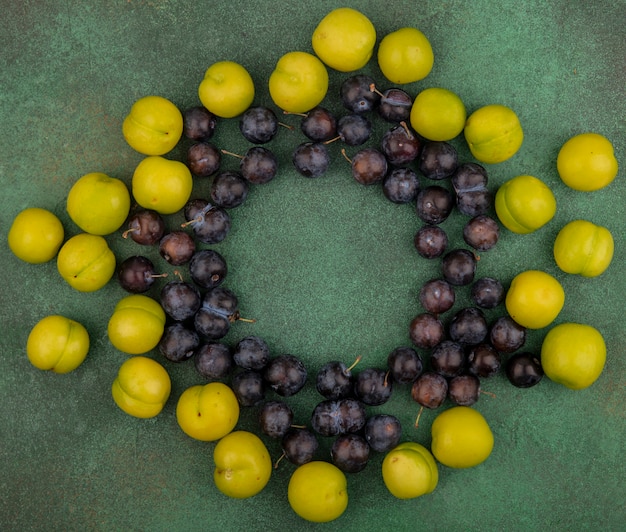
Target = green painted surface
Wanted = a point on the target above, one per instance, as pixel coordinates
(326, 266)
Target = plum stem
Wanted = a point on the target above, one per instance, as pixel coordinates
(419, 414)
(406, 128)
(226, 152)
(356, 361)
(374, 89)
(278, 461)
(304, 115)
(129, 231)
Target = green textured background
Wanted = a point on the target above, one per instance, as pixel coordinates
(326, 266)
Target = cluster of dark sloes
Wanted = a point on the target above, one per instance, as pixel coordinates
(201, 311)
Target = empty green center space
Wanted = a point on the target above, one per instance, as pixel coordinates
(327, 263)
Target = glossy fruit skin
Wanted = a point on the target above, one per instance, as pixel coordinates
(161, 184)
(311, 159)
(573, 354)
(177, 247)
(227, 89)
(218, 311)
(179, 342)
(468, 326)
(405, 365)
(586, 162)
(210, 224)
(405, 56)
(207, 412)
(344, 39)
(356, 95)
(584, 248)
(180, 300)
(506, 335)
(249, 387)
(401, 185)
(438, 160)
(430, 390)
(243, 466)
(213, 360)
(199, 123)
(461, 437)
(35, 235)
(458, 267)
(258, 124)
(136, 274)
(524, 204)
(153, 126)
(259, 165)
(493, 133)
(438, 114)
(434, 204)
(299, 82)
(146, 227)
(203, 159)
(464, 390)
(57, 344)
(426, 330)
(354, 129)
(481, 232)
(409, 470)
(142, 387)
(341, 416)
(470, 185)
(447, 358)
(334, 380)
(98, 204)
(229, 189)
(350, 453)
(487, 292)
(285, 374)
(373, 386)
(317, 491)
(369, 166)
(483, 361)
(523, 370)
(275, 418)
(251, 352)
(430, 241)
(207, 268)
(534, 299)
(400, 145)
(382, 432)
(86, 262)
(395, 105)
(437, 296)
(319, 124)
(136, 325)
(299, 445)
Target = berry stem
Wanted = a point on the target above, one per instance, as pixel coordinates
(345, 156)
